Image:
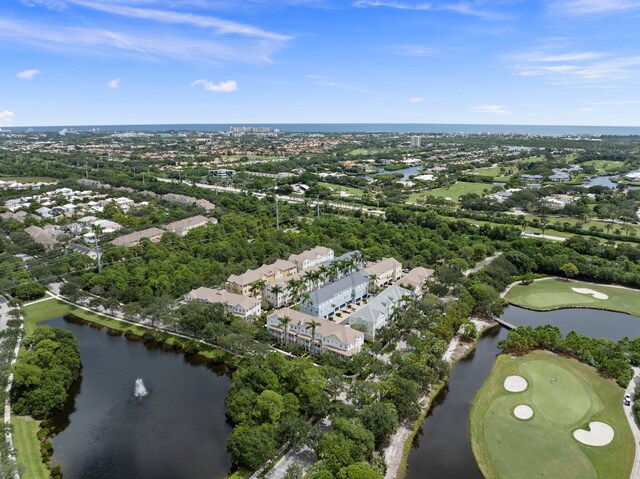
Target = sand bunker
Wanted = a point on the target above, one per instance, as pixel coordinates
(523, 412)
(593, 293)
(515, 384)
(600, 434)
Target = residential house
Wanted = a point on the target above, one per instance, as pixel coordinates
(327, 337)
(237, 304)
(384, 272)
(45, 213)
(41, 236)
(182, 227)
(376, 313)
(531, 178)
(312, 257)
(415, 280)
(133, 239)
(331, 298)
(188, 200)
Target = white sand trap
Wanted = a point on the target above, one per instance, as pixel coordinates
(523, 412)
(593, 293)
(600, 434)
(515, 384)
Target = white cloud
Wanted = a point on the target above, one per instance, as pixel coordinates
(6, 118)
(416, 99)
(590, 68)
(411, 50)
(471, 8)
(594, 7)
(491, 109)
(28, 74)
(113, 83)
(221, 87)
(148, 44)
(221, 26)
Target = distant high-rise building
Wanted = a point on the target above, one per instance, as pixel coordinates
(415, 141)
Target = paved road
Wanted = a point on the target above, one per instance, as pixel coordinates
(548, 237)
(628, 410)
(482, 264)
(288, 199)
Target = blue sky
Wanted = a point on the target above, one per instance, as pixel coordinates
(75, 62)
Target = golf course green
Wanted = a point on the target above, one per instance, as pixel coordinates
(565, 395)
(553, 293)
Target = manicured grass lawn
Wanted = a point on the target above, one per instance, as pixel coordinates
(28, 447)
(459, 189)
(346, 189)
(553, 294)
(605, 165)
(53, 308)
(506, 447)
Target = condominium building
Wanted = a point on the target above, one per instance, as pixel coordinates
(243, 283)
(415, 280)
(236, 304)
(376, 313)
(329, 299)
(182, 227)
(312, 257)
(327, 337)
(133, 239)
(384, 272)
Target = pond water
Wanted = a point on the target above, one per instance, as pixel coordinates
(177, 430)
(442, 447)
(406, 172)
(601, 180)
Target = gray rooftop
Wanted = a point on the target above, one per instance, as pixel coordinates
(330, 290)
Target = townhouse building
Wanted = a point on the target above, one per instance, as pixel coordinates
(327, 336)
(330, 298)
(237, 304)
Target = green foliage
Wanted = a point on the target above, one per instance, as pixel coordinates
(44, 372)
(612, 360)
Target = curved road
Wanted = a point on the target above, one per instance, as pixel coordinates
(628, 410)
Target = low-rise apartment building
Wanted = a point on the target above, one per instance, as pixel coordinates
(384, 272)
(328, 336)
(133, 239)
(331, 298)
(312, 257)
(237, 304)
(182, 227)
(376, 313)
(243, 283)
(415, 280)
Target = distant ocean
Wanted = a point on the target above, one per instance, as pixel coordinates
(424, 128)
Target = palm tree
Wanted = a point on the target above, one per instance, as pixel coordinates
(543, 225)
(358, 258)
(277, 290)
(284, 324)
(332, 271)
(294, 287)
(257, 286)
(313, 324)
(306, 297)
(308, 277)
(324, 272)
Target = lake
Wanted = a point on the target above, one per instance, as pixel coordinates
(177, 431)
(442, 447)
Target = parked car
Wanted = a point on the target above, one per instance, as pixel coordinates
(627, 399)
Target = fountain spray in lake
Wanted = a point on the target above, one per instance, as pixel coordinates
(139, 390)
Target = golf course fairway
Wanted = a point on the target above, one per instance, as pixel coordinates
(565, 396)
(554, 293)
